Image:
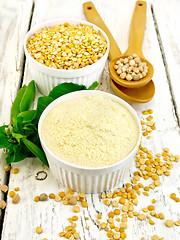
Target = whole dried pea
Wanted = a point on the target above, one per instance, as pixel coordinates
(4, 188)
(136, 77)
(116, 67)
(123, 75)
(16, 199)
(43, 197)
(7, 168)
(129, 77)
(131, 62)
(73, 201)
(2, 204)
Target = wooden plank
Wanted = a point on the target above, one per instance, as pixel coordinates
(169, 35)
(51, 215)
(12, 33)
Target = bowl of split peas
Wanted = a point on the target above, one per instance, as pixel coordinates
(66, 50)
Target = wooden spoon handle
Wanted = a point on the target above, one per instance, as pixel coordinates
(137, 29)
(93, 16)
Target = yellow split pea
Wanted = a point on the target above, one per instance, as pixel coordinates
(76, 209)
(39, 230)
(67, 46)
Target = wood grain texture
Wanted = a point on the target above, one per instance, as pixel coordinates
(169, 35)
(12, 33)
(22, 219)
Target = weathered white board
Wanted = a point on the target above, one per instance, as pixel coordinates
(22, 219)
(169, 35)
(12, 31)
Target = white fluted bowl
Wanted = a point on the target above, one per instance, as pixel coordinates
(47, 78)
(85, 179)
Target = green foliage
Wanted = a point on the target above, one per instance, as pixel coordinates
(20, 138)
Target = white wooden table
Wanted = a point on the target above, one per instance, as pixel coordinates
(161, 47)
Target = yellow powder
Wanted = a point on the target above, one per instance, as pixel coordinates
(92, 131)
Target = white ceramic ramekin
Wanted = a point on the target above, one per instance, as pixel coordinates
(47, 78)
(83, 179)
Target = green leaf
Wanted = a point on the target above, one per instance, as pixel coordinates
(15, 110)
(30, 130)
(35, 150)
(93, 86)
(27, 116)
(65, 88)
(4, 140)
(43, 102)
(28, 97)
(17, 136)
(20, 153)
(9, 159)
(18, 125)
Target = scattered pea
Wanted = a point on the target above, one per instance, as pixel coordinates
(76, 209)
(169, 223)
(12, 194)
(67, 235)
(151, 222)
(62, 194)
(39, 230)
(57, 198)
(43, 197)
(161, 216)
(84, 204)
(73, 201)
(52, 196)
(75, 218)
(16, 199)
(15, 170)
(2, 204)
(177, 223)
(4, 188)
(37, 199)
(141, 216)
(76, 235)
(155, 237)
(7, 168)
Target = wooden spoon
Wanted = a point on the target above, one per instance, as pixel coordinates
(140, 95)
(136, 35)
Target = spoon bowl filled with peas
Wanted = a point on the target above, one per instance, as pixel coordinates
(132, 70)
